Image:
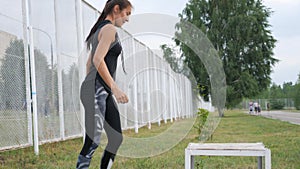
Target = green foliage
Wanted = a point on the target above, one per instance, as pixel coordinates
(71, 89)
(277, 94)
(239, 31)
(170, 57)
(202, 115)
(176, 63)
(297, 94)
(12, 76)
(203, 91)
(44, 77)
(276, 91)
(288, 89)
(297, 99)
(276, 104)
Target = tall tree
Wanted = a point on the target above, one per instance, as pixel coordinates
(239, 31)
(170, 56)
(13, 76)
(276, 91)
(288, 89)
(177, 64)
(71, 89)
(43, 82)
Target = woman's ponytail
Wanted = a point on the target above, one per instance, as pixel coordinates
(107, 10)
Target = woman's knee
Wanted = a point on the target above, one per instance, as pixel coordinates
(120, 139)
(116, 139)
(114, 145)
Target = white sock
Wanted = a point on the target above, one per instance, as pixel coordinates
(110, 163)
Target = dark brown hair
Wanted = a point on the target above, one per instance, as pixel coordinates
(107, 10)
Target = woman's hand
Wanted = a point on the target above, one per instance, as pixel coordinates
(119, 94)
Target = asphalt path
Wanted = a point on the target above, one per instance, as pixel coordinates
(291, 117)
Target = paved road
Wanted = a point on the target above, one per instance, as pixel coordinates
(293, 118)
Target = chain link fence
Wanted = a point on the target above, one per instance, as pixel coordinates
(15, 120)
(13, 116)
(156, 93)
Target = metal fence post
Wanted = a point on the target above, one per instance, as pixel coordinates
(148, 89)
(33, 80)
(80, 39)
(27, 69)
(134, 88)
(34, 94)
(157, 110)
(59, 77)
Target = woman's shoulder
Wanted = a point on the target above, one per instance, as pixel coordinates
(108, 31)
(109, 28)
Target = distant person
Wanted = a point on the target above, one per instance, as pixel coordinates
(250, 107)
(268, 106)
(258, 109)
(255, 105)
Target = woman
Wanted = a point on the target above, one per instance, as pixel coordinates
(99, 86)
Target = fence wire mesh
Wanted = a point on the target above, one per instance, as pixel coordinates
(14, 121)
(156, 93)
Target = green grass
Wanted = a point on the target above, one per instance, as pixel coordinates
(13, 127)
(281, 137)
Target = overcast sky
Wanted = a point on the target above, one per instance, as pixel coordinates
(285, 28)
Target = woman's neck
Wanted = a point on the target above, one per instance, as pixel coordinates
(111, 19)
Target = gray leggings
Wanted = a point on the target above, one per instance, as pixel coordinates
(103, 114)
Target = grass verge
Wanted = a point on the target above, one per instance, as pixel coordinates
(281, 137)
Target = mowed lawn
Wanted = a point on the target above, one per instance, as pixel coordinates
(236, 127)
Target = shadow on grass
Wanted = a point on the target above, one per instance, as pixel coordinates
(235, 115)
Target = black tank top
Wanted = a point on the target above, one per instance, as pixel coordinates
(111, 58)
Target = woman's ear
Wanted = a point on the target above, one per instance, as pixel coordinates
(116, 9)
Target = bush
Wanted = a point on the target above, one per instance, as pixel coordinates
(202, 115)
(277, 104)
(297, 97)
(297, 103)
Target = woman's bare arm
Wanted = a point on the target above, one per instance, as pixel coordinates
(88, 64)
(105, 38)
